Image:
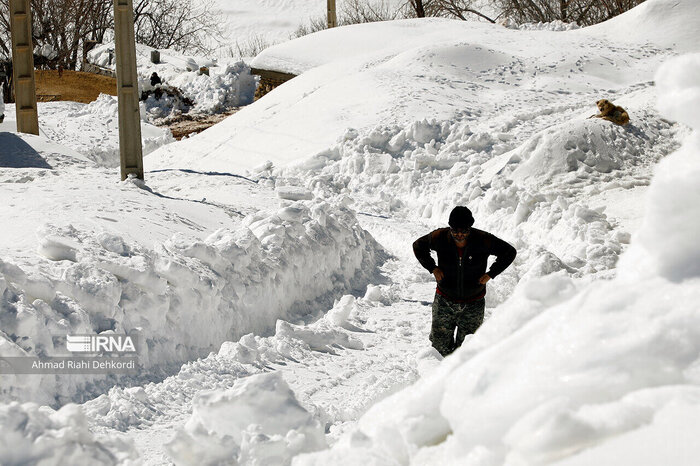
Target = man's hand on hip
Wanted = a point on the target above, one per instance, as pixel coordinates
(484, 278)
(438, 274)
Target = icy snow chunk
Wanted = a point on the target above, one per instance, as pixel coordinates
(113, 243)
(374, 293)
(40, 435)
(258, 421)
(98, 291)
(340, 312)
(425, 131)
(191, 65)
(244, 351)
(318, 338)
(428, 359)
(293, 213)
(58, 245)
(479, 141)
(397, 142)
(293, 193)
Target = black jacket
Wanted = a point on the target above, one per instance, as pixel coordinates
(461, 280)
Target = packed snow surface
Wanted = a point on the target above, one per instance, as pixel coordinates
(256, 253)
(89, 129)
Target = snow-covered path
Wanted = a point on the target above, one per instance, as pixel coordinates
(388, 333)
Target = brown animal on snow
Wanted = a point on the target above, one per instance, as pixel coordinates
(611, 112)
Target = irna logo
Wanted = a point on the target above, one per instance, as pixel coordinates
(100, 344)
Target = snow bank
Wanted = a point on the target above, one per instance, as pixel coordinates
(668, 23)
(534, 194)
(103, 55)
(668, 237)
(258, 421)
(39, 435)
(276, 265)
(569, 372)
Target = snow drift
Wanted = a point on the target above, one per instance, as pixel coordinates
(257, 421)
(113, 256)
(503, 83)
(569, 375)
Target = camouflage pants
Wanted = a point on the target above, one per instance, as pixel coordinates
(465, 317)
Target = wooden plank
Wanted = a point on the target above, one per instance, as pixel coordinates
(273, 75)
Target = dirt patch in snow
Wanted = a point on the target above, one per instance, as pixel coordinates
(184, 125)
(72, 85)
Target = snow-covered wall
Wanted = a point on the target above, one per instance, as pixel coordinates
(184, 297)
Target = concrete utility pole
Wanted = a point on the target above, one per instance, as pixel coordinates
(23, 67)
(332, 18)
(130, 150)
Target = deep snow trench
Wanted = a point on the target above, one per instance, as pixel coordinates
(361, 351)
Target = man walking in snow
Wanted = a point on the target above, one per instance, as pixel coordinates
(461, 276)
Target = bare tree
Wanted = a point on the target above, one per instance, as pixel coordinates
(367, 11)
(461, 9)
(185, 25)
(353, 12)
(249, 47)
(422, 8)
(583, 12)
(61, 27)
(5, 44)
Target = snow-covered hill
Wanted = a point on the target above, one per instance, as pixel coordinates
(601, 374)
(590, 350)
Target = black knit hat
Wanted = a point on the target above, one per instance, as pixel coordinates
(461, 217)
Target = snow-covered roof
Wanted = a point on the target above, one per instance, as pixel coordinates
(405, 70)
(380, 39)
